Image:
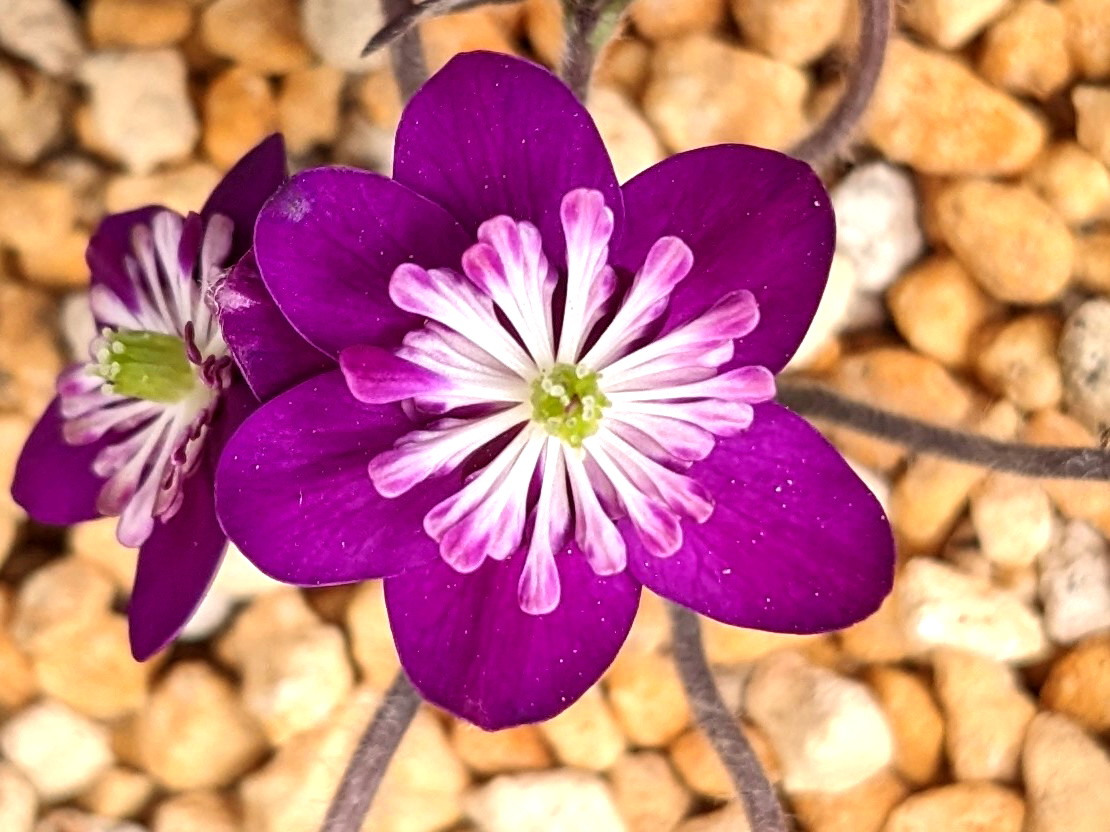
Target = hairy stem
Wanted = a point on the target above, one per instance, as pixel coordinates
(401, 21)
(721, 727)
(375, 749)
(817, 401)
(833, 133)
(406, 52)
(579, 53)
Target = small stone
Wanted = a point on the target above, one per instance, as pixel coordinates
(180, 189)
(194, 812)
(57, 749)
(464, 31)
(59, 265)
(239, 111)
(939, 309)
(94, 541)
(293, 681)
(72, 820)
(1026, 51)
(915, 720)
(29, 365)
(492, 752)
(1088, 35)
(93, 671)
(877, 223)
(18, 801)
(632, 144)
(1092, 117)
(1013, 519)
(1017, 359)
(338, 29)
(1009, 239)
(141, 107)
(970, 686)
(648, 699)
(371, 640)
(263, 36)
(544, 27)
(1092, 261)
(1085, 362)
(558, 801)
(308, 107)
(18, 684)
(929, 498)
(862, 808)
(941, 607)
(194, 733)
(827, 731)
(961, 807)
(929, 111)
(31, 115)
(118, 793)
(1078, 684)
(833, 313)
(57, 603)
(585, 735)
(142, 23)
(725, 645)
(795, 31)
(34, 212)
(1074, 183)
(624, 65)
(1075, 584)
(950, 23)
(740, 96)
(421, 792)
(44, 32)
(651, 629)
(647, 793)
(659, 20)
(730, 818)
(880, 637)
(276, 614)
(1067, 777)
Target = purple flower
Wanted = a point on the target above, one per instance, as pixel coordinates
(551, 390)
(136, 430)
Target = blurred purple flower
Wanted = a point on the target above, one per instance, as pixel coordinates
(137, 429)
(561, 389)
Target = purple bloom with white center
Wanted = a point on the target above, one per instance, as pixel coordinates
(551, 390)
(136, 430)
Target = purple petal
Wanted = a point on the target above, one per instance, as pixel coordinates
(490, 135)
(53, 481)
(327, 245)
(109, 247)
(755, 219)
(796, 542)
(467, 646)
(294, 494)
(377, 376)
(270, 353)
(245, 188)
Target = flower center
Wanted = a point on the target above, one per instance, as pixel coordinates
(568, 402)
(151, 366)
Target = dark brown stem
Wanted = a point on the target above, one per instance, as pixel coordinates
(833, 134)
(401, 22)
(722, 727)
(406, 52)
(1059, 462)
(375, 749)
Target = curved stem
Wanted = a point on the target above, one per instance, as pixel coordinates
(721, 727)
(406, 52)
(1059, 462)
(833, 133)
(375, 749)
(400, 22)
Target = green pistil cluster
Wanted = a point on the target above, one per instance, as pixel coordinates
(145, 365)
(567, 401)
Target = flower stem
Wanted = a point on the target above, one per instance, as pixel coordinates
(375, 749)
(579, 53)
(1059, 462)
(835, 131)
(721, 727)
(406, 52)
(405, 16)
